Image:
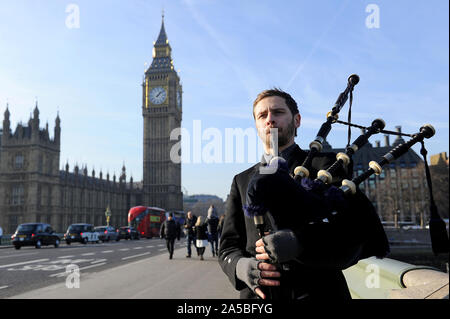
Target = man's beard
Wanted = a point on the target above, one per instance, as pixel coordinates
(284, 136)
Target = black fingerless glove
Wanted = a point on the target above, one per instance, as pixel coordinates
(282, 246)
(247, 271)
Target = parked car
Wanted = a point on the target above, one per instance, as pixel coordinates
(35, 234)
(107, 233)
(127, 232)
(82, 233)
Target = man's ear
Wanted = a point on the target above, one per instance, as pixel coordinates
(297, 120)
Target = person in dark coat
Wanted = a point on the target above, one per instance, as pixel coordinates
(213, 222)
(201, 235)
(315, 253)
(189, 225)
(170, 230)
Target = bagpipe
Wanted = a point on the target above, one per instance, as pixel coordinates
(278, 196)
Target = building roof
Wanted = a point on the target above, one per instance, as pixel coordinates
(162, 37)
(79, 178)
(160, 63)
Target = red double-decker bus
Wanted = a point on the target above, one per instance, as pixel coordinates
(147, 220)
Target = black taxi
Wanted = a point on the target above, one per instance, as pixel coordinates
(34, 234)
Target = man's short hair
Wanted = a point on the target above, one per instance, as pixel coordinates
(290, 102)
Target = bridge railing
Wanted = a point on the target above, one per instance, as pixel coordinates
(387, 278)
(5, 240)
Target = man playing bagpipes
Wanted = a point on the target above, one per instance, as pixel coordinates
(306, 235)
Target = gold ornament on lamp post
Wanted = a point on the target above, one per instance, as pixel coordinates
(108, 215)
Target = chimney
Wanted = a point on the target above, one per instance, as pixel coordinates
(398, 128)
(386, 140)
(377, 143)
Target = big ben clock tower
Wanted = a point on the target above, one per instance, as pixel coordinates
(161, 109)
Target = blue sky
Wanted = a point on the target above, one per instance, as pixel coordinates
(226, 52)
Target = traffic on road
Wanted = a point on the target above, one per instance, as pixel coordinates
(30, 268)
(40, 234)
(37, 256)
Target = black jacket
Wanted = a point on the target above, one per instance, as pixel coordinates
(170, 229)
(190, 223)
(200, 232)
(326, 248)
(213, 223)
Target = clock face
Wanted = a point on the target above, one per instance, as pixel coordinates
(158, 95)
(178, 99)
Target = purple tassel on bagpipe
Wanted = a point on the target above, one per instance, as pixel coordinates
(254, 210)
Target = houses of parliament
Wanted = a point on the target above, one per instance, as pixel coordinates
(33, 188)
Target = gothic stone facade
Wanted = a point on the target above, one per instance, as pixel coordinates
(33, 189)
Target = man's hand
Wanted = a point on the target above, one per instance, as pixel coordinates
(256, 274)
(261, 251)
(278, 247)
(267, 271)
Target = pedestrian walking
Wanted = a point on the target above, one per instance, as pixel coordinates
(213, 221)
(202, 237)
(189, 225)
(170, 230)
(1, 235)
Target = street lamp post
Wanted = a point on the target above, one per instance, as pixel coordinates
(422, 224)
(108, 215)
(396, 214)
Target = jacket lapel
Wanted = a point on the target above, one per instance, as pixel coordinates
(296, 159)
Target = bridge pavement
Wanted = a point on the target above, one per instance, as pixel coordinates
(150, 278)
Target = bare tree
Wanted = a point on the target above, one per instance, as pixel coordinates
(200, 208)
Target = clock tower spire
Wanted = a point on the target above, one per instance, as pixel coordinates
(162, 113)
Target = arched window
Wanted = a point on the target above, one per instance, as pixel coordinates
(18, 161)
(18, 195)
